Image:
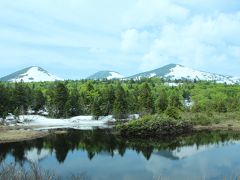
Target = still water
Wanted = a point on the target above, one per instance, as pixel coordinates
(98, 154)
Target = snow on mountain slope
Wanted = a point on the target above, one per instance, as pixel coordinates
(115, 75)
(179, 72)
(106, 75)
(31, 74)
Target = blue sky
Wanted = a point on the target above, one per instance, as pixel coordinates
(75, 38)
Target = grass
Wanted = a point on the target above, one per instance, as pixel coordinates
(214, 120)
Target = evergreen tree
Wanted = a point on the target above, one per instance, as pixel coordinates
(162, 101)
(4, 101)
(38, 101)
(60, 99)
(120, 103)
(73, 105)
(174, 100)
(108, 97)
(146, 99)
(20, 97)
(96, 107)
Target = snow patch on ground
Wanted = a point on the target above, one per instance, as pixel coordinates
(172, 84)
(78, 122)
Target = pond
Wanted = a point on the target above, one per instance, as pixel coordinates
(98, 154)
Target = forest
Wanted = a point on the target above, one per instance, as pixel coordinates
(64, 99)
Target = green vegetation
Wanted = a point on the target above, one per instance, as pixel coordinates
(155, 126)
(120, 98)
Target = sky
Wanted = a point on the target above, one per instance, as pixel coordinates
(76, 38)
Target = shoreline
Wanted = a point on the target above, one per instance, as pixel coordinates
(18, 134)
(10, 134)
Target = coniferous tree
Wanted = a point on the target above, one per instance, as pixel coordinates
(73, 105)
(162, 101)
(174, 100)
(4, 101)
(60, 99)
(146, 99)
(38, 101)
(20, 97)
(96, 107)
(120, 103)
(108, 97)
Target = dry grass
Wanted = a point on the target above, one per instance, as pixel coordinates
(215, 121)
(34, 172)
(10, 135)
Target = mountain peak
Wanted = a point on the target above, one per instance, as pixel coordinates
(30, 74)
(180, 72)
(106, 75)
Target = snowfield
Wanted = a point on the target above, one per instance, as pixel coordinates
(115, 75)
(178, 72)
(181, 72)
(36, 74)
(78, 122)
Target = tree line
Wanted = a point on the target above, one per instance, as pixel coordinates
(114, 97)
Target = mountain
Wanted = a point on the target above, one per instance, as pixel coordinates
(30, 74)
(105, 75)
(179, 72)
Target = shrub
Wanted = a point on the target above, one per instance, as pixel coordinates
(154, 126)
(173, 112)
(200, 119)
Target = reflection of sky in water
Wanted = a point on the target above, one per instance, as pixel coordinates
(213, 163)
(131, 166)
(189, 162)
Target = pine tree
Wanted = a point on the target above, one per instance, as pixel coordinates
(96, 107)
(174, 100)
(73, 105)
(38, 101)
(145, 99)
(108, 97)
(21, 96)
(162, 101)
(60, 99)
(4, 101)
(120, 103)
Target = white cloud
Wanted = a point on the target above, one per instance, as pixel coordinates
(121, 34)
(206, 41)
(135, 41)
(154, 12)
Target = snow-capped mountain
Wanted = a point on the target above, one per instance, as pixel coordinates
(106, 75)
(30, 74)
(179, 72)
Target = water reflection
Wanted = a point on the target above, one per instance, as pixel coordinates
(103, 142)
(200, 154)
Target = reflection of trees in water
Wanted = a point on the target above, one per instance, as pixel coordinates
(103, 141)
(18, 149)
